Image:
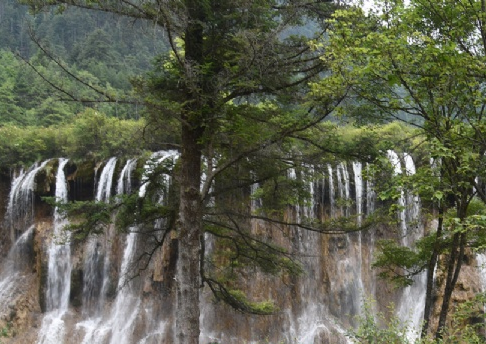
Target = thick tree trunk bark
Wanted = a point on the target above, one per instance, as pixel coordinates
(190, 222)
(190, 208)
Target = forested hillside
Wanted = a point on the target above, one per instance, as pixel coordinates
(102, 50)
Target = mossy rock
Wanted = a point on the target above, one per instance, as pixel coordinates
(45, 179)
(83, 170)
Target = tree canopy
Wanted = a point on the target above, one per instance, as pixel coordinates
(235, 82)
(422, 62)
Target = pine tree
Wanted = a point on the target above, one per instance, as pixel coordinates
(233, 79)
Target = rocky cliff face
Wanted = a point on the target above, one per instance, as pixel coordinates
(113, 300)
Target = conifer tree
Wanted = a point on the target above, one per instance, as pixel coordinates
(233, 80)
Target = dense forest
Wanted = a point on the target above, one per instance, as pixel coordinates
(67, 74)
(43, 55)
(102, 50)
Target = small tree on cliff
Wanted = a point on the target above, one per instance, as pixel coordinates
(423, 63)
(226, 56)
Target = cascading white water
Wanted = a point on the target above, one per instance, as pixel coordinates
(340, 189)
(13, 276)
(155, 160)
(59, 270)
(19, 218)
(20, 208)
(124, 185)
(332, 201)
(481, 259)
(358, 182)
(103, 192)
(349, 286)
(370, 208)
(118, 323)
(128, 307)
(370, 194)
(397, 168)
(97, 259)
(411, 305)
(320, 303)
(413, 297)
(97, 329)
(306, 325)
(315, 323)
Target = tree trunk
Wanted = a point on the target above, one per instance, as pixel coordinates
(190, 208)
(190, 227)
(430, 274)
(454, 265)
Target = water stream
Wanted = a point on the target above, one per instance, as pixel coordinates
(20, 208)
(59, 270)
(117, 309)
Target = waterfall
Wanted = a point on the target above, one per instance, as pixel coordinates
(118, 323)
(309, 211)
(155, 160)
(332, 201)
(128, 308)
(13, 277)
(96, 328)
(108, 306)
(348, 268)
(59, 269)
(411, 305)
(370, 194)
(481, 259)
(370, 208)
(397, 168)
(124, 185)
(358, 182)
(315, 322)
(97, 258)
(413, 297)
(103, 192)
(127, 303)
(20, 208)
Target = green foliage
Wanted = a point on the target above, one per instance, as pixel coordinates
(88, 218)
(467, 322)
(421, 63)
(95, 47)
(93, 134)
(379, 328)
(23, 146)
(400, 264)
(371, 141)
(238, 300)
(90, 135)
